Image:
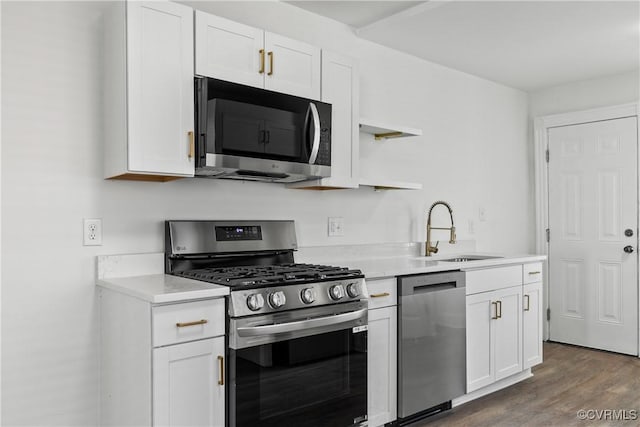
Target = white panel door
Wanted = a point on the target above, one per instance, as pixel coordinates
(480, 340)
(160, 87)
(508, 332)
(531, 324)
(292, 66)
(382, 365)
(228, 50)
(593, 199)
(186, 389)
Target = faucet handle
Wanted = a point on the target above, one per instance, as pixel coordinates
(435, 248)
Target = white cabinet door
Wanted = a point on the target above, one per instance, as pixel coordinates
(186, 384)
(382, 365)
(508, 332)
(160, 87)
(480, 340)
(292, 66)
(532, 324)
(228, 50)
(340, 88)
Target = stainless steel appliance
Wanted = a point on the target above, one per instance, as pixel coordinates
(431, 343)
(254, 134)
(297, 333)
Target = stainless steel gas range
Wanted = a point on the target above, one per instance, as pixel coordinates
(297, 333)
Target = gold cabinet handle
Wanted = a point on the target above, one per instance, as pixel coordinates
(526, 307)
(270, 55)
(384, 294)
(192, 145)
(499, 309)
(221, 371)
(534, 272)
(194, 323)
(261, 71)
(495, 303)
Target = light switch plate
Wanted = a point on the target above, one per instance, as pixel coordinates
(336, 226)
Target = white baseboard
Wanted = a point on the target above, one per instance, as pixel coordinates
(499, 385)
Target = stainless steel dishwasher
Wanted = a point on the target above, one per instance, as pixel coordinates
(431, 343)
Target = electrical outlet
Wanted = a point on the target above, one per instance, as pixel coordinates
(92, 232)
(482, 214)
(336, 226)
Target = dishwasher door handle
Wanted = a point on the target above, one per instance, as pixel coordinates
(433, 288)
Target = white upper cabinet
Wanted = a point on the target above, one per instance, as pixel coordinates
(291, 66)
(340, 88)
(238, 53)
(228, 50)
(149, 91)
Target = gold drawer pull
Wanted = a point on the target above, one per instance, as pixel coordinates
(499, 307)
(496, 310)
(221, 374)
(261, 70)
(270, 55)
(192, 145)
(534, 272)
(197, 322)
(526, 308)
(384, 294)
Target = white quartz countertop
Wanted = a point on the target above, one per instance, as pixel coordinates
(374, 268)
(163, 288)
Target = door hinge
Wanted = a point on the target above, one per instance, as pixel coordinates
(548, 314)
(547, 155)
(548, 235)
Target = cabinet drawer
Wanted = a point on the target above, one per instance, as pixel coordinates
(488, 279)
(189, 321)
(532, 273)
(382, 292)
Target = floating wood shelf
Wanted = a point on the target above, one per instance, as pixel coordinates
(384, 184)
(382, 131)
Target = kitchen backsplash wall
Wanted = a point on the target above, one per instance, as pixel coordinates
(473, 153)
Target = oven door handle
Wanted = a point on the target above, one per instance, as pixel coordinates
(254, 331)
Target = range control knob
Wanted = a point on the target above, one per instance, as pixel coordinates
(336, 292)
(277, 299)
(307, 295)
(255, 302)
(353, 290)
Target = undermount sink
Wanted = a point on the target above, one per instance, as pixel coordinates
(466, 258)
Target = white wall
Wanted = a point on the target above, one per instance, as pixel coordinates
(586, 94)
(473, 153)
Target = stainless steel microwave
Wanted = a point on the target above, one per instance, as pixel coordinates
(249, 133)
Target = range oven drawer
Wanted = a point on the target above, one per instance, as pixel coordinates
(176, 323)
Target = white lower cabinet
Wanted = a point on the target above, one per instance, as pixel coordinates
(382, 365)
(382, 361)
(494, 336)
(162, 364)
(188, 384)
(532, 324)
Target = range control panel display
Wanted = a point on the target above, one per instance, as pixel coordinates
(238, 233)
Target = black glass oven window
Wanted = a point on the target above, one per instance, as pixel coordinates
(237, 233)
(316, 381)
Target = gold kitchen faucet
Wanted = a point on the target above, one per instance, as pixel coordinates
(434, 249)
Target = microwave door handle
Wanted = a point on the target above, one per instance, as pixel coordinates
(316, 133)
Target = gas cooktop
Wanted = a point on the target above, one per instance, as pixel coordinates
(261, 276)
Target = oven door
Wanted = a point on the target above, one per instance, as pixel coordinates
(303, 368)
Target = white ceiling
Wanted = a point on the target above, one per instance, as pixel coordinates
(356, 14)
(523, 44)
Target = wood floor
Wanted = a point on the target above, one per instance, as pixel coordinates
(570, 379)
